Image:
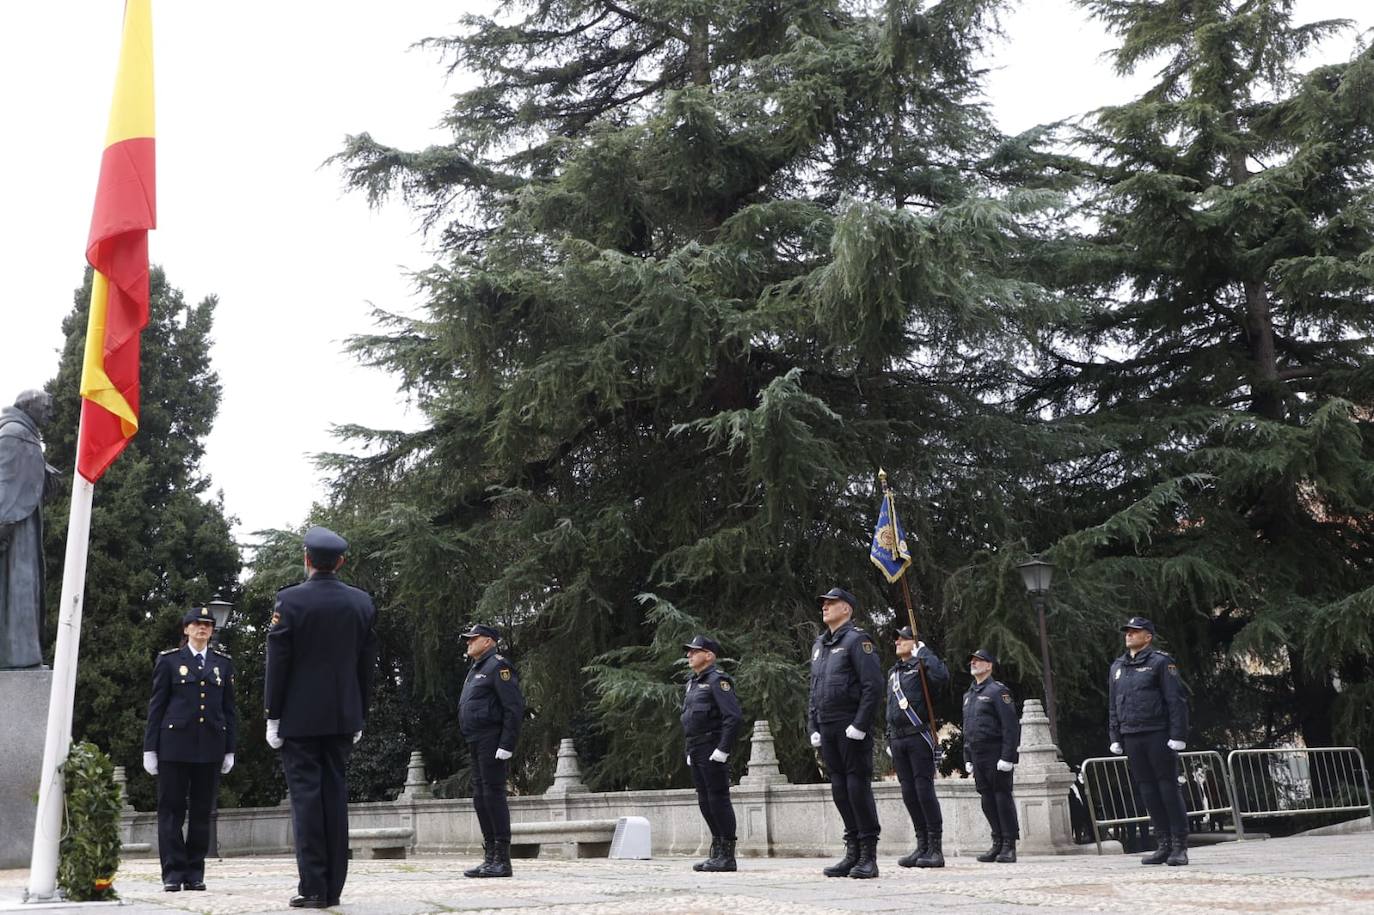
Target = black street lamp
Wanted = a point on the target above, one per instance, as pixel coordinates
(220, 609)
(1036, 574)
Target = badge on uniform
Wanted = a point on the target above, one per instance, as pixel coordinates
(1006, 697)
(183, 670)
(505, 673)
(218, 681)
(725, 685)
(902, 703)
(868, 647)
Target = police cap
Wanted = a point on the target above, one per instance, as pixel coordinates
(198, 615)
(324, 547)
(841, 594)
(703, 643)
(983, 654)
(905, 633)
(1139, 622)
(477, 629)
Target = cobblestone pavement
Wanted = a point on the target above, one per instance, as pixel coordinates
(1307, 874)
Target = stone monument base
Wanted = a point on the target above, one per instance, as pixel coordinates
(23, 722)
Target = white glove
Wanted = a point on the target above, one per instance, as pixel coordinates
(689, 759)
(815, 739)
(968, 767)
(854, 733)
(1177, 746)
(1116, 749)
(150, 762)
(888, 748)
(719, 756)
(227, 764)
(1004, 766)
(920, 645)
(503, 754)
(357, 736)
(273, 725)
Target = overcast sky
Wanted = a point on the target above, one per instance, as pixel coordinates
(252, 97)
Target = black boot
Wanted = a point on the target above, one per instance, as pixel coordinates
(935, 854)
(500, 860)
(922, 846)
(488, 849)
(1008, 853)
(866, 868)
(842, 867)
(1160, 854)
(724, 859)
(1179, 851)
(991, 854)
(715, 853)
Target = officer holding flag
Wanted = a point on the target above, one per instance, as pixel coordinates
(913, 745)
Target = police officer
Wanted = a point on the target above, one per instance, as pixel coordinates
(913, 745)
(711, 718)
(489, 714)
(1147, 720)
(992, 733)
(846, 693)
(321, 658)
(188, 743)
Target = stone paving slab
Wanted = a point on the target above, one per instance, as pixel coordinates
(1316, 874)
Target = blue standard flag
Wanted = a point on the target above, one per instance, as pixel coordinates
(889, 552)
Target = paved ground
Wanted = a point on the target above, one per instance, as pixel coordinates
(1306, 874)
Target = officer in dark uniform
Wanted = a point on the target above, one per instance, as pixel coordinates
(711, 718)
(1147, 720)
(321, 659)
(992, 733)
(846, 694)
(188, 744)
(489, 714)
(913, 746)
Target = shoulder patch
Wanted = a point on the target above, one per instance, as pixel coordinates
(276, 617)
(1006, 697)
(505, 673)
(868, 647)
(725, 684)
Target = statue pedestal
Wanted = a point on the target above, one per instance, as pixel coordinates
(23, 720)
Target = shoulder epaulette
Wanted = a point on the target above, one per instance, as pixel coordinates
(170, 651)
(222, 653)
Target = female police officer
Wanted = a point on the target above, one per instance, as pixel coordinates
(188, 744)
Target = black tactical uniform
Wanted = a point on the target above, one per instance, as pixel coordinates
(490, 711)
(913, 748)
(992, 734)
(711, 718)
(1148, 707)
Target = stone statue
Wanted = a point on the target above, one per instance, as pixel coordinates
(24, 482)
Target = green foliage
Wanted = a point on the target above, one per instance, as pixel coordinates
(89, 852)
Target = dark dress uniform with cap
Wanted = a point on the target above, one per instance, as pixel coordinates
(992, 734)
(847, 691)
(321, 659)
(711, 719)
(490, 712)
(192, 725)
(1147, 708)
(913, 747)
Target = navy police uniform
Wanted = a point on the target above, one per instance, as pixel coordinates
(992, 733)
(1148, 707)
(321, 659)
(711, 719)
(911, 742)
(490, 711)
(192, 725)
(847, 690)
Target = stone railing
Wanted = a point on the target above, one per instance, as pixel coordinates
(775, 818)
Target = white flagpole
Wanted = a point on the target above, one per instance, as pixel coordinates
(47, 828)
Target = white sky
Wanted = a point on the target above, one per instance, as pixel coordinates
(252, 96)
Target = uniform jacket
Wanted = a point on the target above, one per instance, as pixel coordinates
(907, 676)
(491, 701)
(846, 679)
(191, 715)
(990, 720)
(321, 658)
(710, 710)
(1146, 694)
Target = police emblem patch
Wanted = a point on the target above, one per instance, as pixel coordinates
(868, 647)
(1006, 697)
(505, 673)
(276, 617)
(725, 685)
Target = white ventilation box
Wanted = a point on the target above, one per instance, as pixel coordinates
(632, 839)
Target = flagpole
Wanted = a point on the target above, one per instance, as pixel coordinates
(47, 828)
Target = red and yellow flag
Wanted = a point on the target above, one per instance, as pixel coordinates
(117, 249)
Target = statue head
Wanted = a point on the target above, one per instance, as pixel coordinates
(37, 404)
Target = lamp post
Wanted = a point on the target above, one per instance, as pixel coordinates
(220, 609)
(1036, 575)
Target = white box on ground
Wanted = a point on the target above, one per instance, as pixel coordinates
(632, 839)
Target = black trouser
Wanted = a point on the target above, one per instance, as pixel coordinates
(994, 790)
(850, 764)
(183, 858)
(712, 781)
(316, 769)
(1154, 769)
(915, 764)
(489, 787)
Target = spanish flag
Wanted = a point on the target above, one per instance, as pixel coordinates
(117, 249)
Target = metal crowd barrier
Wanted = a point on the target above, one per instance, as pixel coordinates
(1112, 802)
(1295, 781)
